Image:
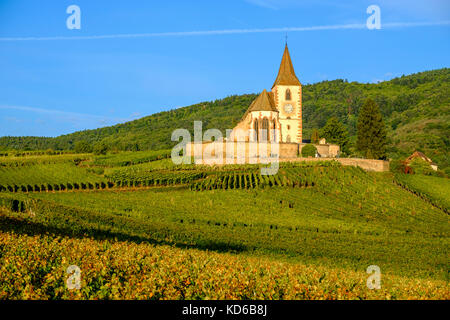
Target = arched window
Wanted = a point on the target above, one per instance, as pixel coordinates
(274, 130)
(288, 138)
(255, 127)
(288, 94)
(265, 130)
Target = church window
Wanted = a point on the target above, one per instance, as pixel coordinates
(274, 130)
(265, 130)
(255, 127)
(288, 94)
(288, 138)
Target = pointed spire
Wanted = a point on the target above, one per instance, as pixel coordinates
(286, 74)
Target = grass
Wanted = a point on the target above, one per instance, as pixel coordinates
(272, 241)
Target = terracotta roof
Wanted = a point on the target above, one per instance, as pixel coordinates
(418, 154)
(286, 74)
(264, 102)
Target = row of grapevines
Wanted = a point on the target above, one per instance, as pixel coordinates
(14, 162)
(57, 187)
(404, 181)
(131, 158)
(328, 177)
(151, 178)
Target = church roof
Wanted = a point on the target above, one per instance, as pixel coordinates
(286, 74)
(264, 102)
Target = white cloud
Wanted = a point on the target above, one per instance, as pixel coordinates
(234, 31)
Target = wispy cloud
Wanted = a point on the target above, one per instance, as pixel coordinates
(231, 31)
(72, 116)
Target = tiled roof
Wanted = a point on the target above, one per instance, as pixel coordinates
(286, 74)
(264, 102)
(418, 154)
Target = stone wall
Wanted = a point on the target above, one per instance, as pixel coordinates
(366, 164)
(249, 151)
(325, 150)
(243, 149)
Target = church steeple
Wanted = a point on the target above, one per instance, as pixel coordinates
(286, 74)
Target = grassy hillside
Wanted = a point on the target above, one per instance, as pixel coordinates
(433, 189)
(416, 109)
(308, 232)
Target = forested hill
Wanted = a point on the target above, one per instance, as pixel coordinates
(416, 109)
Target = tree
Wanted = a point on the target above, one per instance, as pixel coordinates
(335, 132)
(420, 166)
(100, 148)
(82, 147)
(371, 140)
(315, 136)
(309, 151)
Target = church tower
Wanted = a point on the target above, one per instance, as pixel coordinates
(287, 93)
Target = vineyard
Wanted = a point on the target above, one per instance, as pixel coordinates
(308, 232)
(131, 158)
(327, 176)
(17, 162)
(133, 178)
(433, 189)
(49, 177)
(180, 273)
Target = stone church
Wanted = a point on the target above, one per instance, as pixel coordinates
(273, 119)
(277, 110)
(276, 115)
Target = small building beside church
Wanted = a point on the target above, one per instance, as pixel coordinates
(420, 155)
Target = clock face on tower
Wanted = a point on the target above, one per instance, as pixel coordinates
(288, 108)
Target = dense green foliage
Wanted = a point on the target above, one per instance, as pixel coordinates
(315, 136)
(420, 166)
(371, 139)
(82, 147)
(309, 150)
(335, 132)
(100, 148)
(416, 110)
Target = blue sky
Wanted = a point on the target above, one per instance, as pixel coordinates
(51, 86)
